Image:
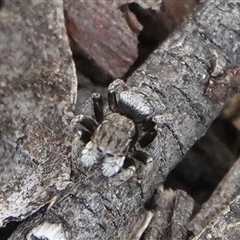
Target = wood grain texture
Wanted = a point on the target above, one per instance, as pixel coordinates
(178, 71)
(38, 84)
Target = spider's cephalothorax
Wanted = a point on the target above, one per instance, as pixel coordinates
(112, 137)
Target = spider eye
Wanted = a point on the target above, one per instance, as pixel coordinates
(109, 154)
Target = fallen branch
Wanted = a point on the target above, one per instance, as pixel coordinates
(178, 71)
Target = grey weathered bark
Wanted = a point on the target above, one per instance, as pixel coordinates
(225, 225)
(106, 37)
(171, 216)
(38, 84)
(226, 191)
(178, 71)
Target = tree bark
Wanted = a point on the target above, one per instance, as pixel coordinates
(38, 85)
(108, 39)
(171, 216)
(178, 71)
(226, 192)
(225, 225)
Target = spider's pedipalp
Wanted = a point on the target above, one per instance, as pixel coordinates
(90, 155)
(112, 165)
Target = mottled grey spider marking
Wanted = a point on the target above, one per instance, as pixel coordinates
(110, 141)
(115, 136)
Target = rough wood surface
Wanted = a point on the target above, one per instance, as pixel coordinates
(227, 190)
(225, 225)
(207, 162)
(171, 216)
(37, 84)
(178, 72)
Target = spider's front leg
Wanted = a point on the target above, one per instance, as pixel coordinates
(84, 126)
(91, 115)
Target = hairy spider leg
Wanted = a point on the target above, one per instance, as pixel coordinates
(97, 106)
(112, 165)
(90, 154)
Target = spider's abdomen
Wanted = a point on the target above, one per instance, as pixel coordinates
(138, 104)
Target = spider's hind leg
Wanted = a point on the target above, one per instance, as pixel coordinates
(146, 134)
(142, 156)
(144, 163)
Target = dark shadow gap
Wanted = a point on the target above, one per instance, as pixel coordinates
(6, 231)
(83, 64)
(2, 4)
(207, 162)
(11, 226)
(153, 34)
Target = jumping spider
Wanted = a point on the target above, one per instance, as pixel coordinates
(125, 131)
